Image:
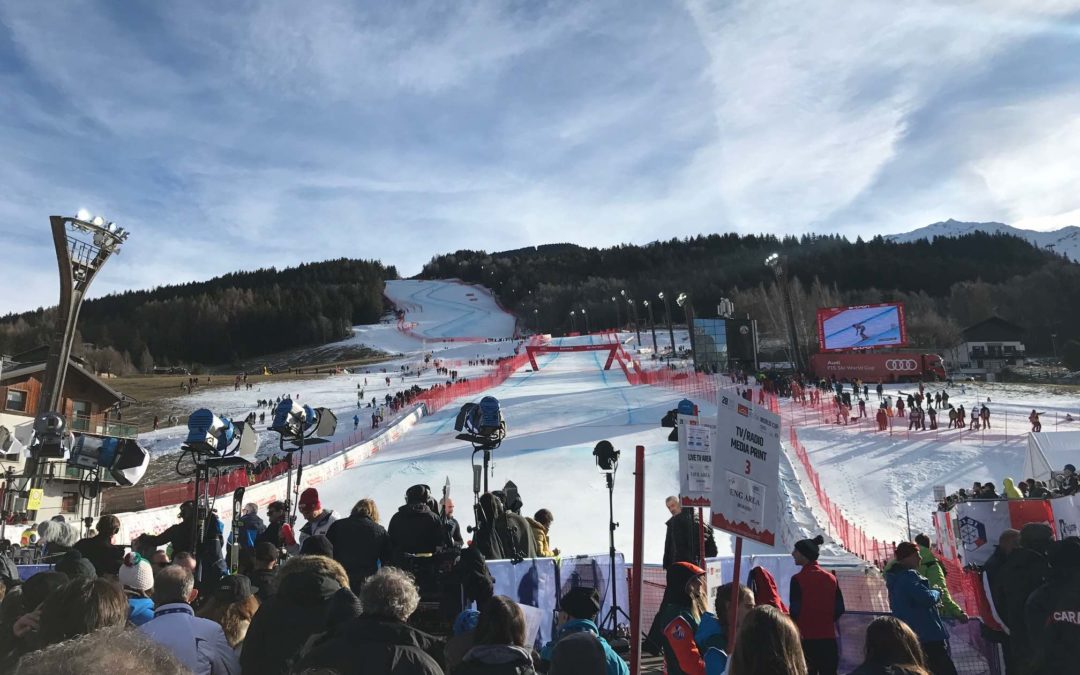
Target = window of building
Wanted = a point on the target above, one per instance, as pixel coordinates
(69, 502)
(80, 415)
(16, 400)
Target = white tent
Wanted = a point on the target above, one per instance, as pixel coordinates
(1050, 451)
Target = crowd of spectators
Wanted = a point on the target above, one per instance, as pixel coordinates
(1061, 484)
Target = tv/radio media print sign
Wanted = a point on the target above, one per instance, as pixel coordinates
(746, 470)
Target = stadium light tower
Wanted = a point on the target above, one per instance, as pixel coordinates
(776, 263)
(667, 313)
(684, 301)
(585, 314)
(652, 324)
(615, 301)
(573, 321)
(83, 243)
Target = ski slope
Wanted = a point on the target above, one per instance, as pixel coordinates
(554, 418)
(450, 309)
(878, 478)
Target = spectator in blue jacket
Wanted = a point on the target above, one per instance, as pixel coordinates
(253, 526)
(712, 633)
(914, 602)
(577, 614)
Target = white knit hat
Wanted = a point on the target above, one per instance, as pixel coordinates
(136, 573)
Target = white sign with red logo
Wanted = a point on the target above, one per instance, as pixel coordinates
(746, 470)
(696, 441)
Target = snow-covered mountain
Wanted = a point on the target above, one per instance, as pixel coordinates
(1065, 241)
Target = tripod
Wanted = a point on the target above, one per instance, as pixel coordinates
(610, 622)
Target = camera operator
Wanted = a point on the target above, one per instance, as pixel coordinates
(416, 536)
(181, 537)
(515, 527)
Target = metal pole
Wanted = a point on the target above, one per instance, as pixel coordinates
(652, 325)
(907, 512)
(639, 553)
(671, 329)
(733, 603)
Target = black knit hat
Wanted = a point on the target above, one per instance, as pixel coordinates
(581, 602)
(317, 544)
(810, 547)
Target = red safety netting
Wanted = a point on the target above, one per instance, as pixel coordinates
(434, 399)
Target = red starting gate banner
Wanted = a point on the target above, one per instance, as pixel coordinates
(611, 348)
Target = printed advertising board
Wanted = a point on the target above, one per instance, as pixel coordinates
(746, 470)
(861, 327)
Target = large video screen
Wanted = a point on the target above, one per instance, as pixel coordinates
(862, 327)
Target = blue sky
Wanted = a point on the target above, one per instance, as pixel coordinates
(236, 135)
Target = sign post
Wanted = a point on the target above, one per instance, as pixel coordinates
(696, 441)
(745, 480)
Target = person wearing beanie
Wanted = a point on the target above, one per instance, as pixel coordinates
(75, 565)
(136, 575)
(1025, 570)
(914, 602)
(318, 519)
(317, 544)
(816, 604)
(577, 616)
(685, 601)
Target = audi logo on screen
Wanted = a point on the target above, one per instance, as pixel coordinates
(901, 364)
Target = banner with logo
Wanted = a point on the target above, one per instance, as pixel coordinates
(696, 441)
(1066, 516)
(979, 524)
(746, 470)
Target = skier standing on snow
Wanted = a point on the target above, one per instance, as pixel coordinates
(1036, 424)
(984, 413)
(880, 389)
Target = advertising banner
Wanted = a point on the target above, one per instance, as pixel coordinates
(861, 327)
(696, 441)
(746, 470)
(979, 524)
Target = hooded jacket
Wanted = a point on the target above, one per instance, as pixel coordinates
(540, 533)
(496, 660)
(253, 526)
(674, 626)
(360, 545)
(415, 528)
(312, 595)
(613, 663)
(375, 645)
(930, 567)
(1010, 490)
(914, 602)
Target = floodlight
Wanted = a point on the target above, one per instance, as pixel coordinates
(83, 215)
(98, 220)
(295, 422)
(681, 300)
(51, 439)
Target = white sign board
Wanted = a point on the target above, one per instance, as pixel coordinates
(696, 441)
(746, 470)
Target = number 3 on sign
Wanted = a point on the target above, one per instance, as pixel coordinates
(747, 472)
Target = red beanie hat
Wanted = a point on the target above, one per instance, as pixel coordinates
(310, 497)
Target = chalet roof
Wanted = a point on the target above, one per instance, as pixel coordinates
(994, 329)
(24, 369)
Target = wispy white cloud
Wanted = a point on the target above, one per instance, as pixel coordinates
(251, 134)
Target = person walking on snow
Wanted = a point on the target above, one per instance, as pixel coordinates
(1036, 424)
(914, 602)
(879, 390)
(816, 605)
(931, 568)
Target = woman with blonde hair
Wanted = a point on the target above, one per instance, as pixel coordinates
(232, 605)
(891, 648)
(767, 643)
(685, 601)
(361, 544)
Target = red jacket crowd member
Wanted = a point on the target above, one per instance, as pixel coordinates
(816, 604)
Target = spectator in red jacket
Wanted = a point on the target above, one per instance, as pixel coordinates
(816, 604)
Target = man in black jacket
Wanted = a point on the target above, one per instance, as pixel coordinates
(379, 642)
(99, 549)
(1025, 570)
(361, 545)
(181, 537)
(415, 529)
(1054, 609)
(683, 540)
